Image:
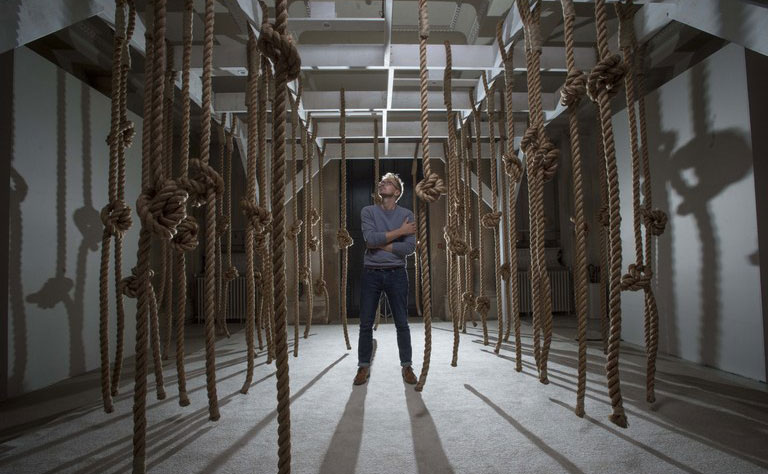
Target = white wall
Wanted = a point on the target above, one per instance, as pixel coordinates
(53, 323)
(707, 281)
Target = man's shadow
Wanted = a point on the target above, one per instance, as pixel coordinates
(344, 449)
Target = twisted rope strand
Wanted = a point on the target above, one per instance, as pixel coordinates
(482, 303)
(343, 238)
(293, 233)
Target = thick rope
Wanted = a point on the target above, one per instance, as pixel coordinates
(491, 219)
(320, 286)
(343, 238)
(513, 169)
(263, 234)
(541, 157)
(110, 222)
(429, 190)
(455, 243)
(468, 297)
(167, 297)
(602, 218)
(310, 240)
(482, 302)
(249, 202)
(231, 272)
(295, 230)
(604, 81)
(376, 198)
(640, 274)
(278, 46)
(222, 224)
(126, 135)
(572, 93)
(210, 210)
(416, 269)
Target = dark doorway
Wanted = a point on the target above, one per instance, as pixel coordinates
(360, 188)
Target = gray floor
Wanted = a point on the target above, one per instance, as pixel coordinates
(480, 417)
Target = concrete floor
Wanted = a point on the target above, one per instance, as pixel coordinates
(480, 417)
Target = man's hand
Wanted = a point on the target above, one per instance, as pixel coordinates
(408, 228)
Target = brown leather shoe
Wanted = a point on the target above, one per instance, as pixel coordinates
(362, 375)
(408, 376)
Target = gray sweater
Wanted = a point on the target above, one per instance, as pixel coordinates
(376, 222)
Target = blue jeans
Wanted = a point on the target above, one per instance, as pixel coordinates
(394, 283)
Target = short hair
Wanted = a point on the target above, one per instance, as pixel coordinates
(394, 178)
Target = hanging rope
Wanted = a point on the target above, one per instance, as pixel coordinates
(221, 229)
(295, 229)
(248, 204)
(429, 190)
(230, 273)
(655, 221)
(573, 91)
(482, 302)
(343, 238)
(116, 221)
(161, 207)
(186, 237)
(278, 46)
(126, 133)
(376, 197)
(513, 169)
(211, 186)
(491, 219)
(310, 214)
(602, 218)
(455, 243)
(541, 157)
(640, 273)
(468, 297)
(320, 286)
(264, 243)
(604, 81)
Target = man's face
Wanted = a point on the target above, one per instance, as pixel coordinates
(387, 188)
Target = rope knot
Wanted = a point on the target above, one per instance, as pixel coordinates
(127, 132)
(116, 217)
(505, 271)
(655, 220)
(606, 76)
(280, 49)
(314, 216)
(313, 243)
(512, 166)
(258, 217)
(344, 239)
(185, 239)
(636, 278)
(319, 286)
(202, 178)
(540, 153)
(574, 88)
(490, 220)
(474, 253)
(161, 211)
(131, 285)
(454, 242)
(305, 275)
(230, 273)
(482, 304)
(294, 230)
(468, 298)
(430, 188)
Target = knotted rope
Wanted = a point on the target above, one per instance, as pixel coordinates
(279, 47)
(230, 273)
(161, 207)
(572, 93)
(454, 240)
(640, 274)
(541, 159)
(249, 202)
(429, 190)
(603, 83)
(342, 236)
(295, 229)
(513, 170)
(186, 236)
(492, 219)
(116, 215)
(320, 286)
(309, 239)
(482, 303)
(264, 238)
(468, 296)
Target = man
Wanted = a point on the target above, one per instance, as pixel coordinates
(388, 230)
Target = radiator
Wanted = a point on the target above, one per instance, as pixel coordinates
(562, 296)
(238, 295)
